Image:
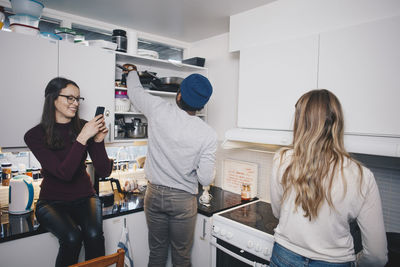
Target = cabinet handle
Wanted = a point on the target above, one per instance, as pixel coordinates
(109, 132)
(107, 113)
(204, 230)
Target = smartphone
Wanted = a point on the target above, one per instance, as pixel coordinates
(99, 110)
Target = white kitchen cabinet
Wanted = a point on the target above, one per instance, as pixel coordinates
(27, 65)
(361, 64)
(93, 70)
(137, 228)
(201, 251)
(38, 250)
(30, 62)
(272, 78)
(163, 68)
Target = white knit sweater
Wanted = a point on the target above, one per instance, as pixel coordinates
(328, 237)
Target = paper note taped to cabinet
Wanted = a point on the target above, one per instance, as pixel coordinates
(238, 172)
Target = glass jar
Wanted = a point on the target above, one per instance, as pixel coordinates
(29, 172)
(5, 173)
(14, 172)
(245, 192)
(35, 173)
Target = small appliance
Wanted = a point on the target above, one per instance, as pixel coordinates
(20, 194)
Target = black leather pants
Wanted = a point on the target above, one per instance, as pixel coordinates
(62, 218)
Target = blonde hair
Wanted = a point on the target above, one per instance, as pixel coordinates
(318, 152)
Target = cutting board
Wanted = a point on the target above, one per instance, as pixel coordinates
(238, 172)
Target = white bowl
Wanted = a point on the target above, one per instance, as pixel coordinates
(122, 104)
(24, 29)
(24, 20)
(27, 7)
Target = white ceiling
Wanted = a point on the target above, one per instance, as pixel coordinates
(183, 20)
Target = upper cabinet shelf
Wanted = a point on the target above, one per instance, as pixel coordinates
(160, 62)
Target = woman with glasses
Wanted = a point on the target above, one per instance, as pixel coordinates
(317, 189)
(68, 206)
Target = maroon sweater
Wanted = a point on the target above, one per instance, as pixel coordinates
(64, 171)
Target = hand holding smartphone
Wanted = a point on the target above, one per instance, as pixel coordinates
(99, 110)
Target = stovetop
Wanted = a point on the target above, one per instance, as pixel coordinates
(257, 215)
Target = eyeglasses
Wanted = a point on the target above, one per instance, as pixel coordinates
(71, 99)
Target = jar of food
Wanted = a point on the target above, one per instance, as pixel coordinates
(35, 173)
(29, 172)
(246, 192)
(14, 171)
(119, 37)
(6, 173)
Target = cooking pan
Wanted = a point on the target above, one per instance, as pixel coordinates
(168, 84)
(146, 77)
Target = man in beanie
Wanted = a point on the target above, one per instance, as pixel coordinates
(181, 154)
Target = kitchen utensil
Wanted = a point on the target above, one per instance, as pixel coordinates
(146, 77)
(119, 37)
(168, 84)
(20, 194)
(28, 7)
(136, 129)
(106, 191)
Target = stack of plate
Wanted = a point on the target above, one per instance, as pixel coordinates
(147, 53)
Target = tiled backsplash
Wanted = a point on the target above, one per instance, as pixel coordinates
(385, 169)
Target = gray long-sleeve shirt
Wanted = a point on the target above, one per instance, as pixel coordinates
(181, 148)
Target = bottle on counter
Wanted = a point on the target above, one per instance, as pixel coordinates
(6, 173)
(246, 192)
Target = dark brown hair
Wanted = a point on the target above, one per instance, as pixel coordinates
(52, 137)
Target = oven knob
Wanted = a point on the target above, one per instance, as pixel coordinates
(216, 229)
(266, 251)
(223, 232)
(258, 247)
(229, 235)
(250, 244)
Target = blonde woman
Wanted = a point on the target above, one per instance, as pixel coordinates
(317, 189)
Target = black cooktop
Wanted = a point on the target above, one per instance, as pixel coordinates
(257, 215)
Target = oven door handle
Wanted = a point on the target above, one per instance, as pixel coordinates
(242, 259)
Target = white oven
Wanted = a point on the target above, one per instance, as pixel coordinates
(243, 236)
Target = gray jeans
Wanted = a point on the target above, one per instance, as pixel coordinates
(171, 218)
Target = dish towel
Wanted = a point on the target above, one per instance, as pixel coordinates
(125, 244)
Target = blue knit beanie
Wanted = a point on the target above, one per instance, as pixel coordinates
(196, 90)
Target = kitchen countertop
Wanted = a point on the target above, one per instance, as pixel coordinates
(19, 226)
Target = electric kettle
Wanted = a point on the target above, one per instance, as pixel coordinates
(20, 194)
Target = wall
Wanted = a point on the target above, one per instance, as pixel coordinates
(223, 72)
